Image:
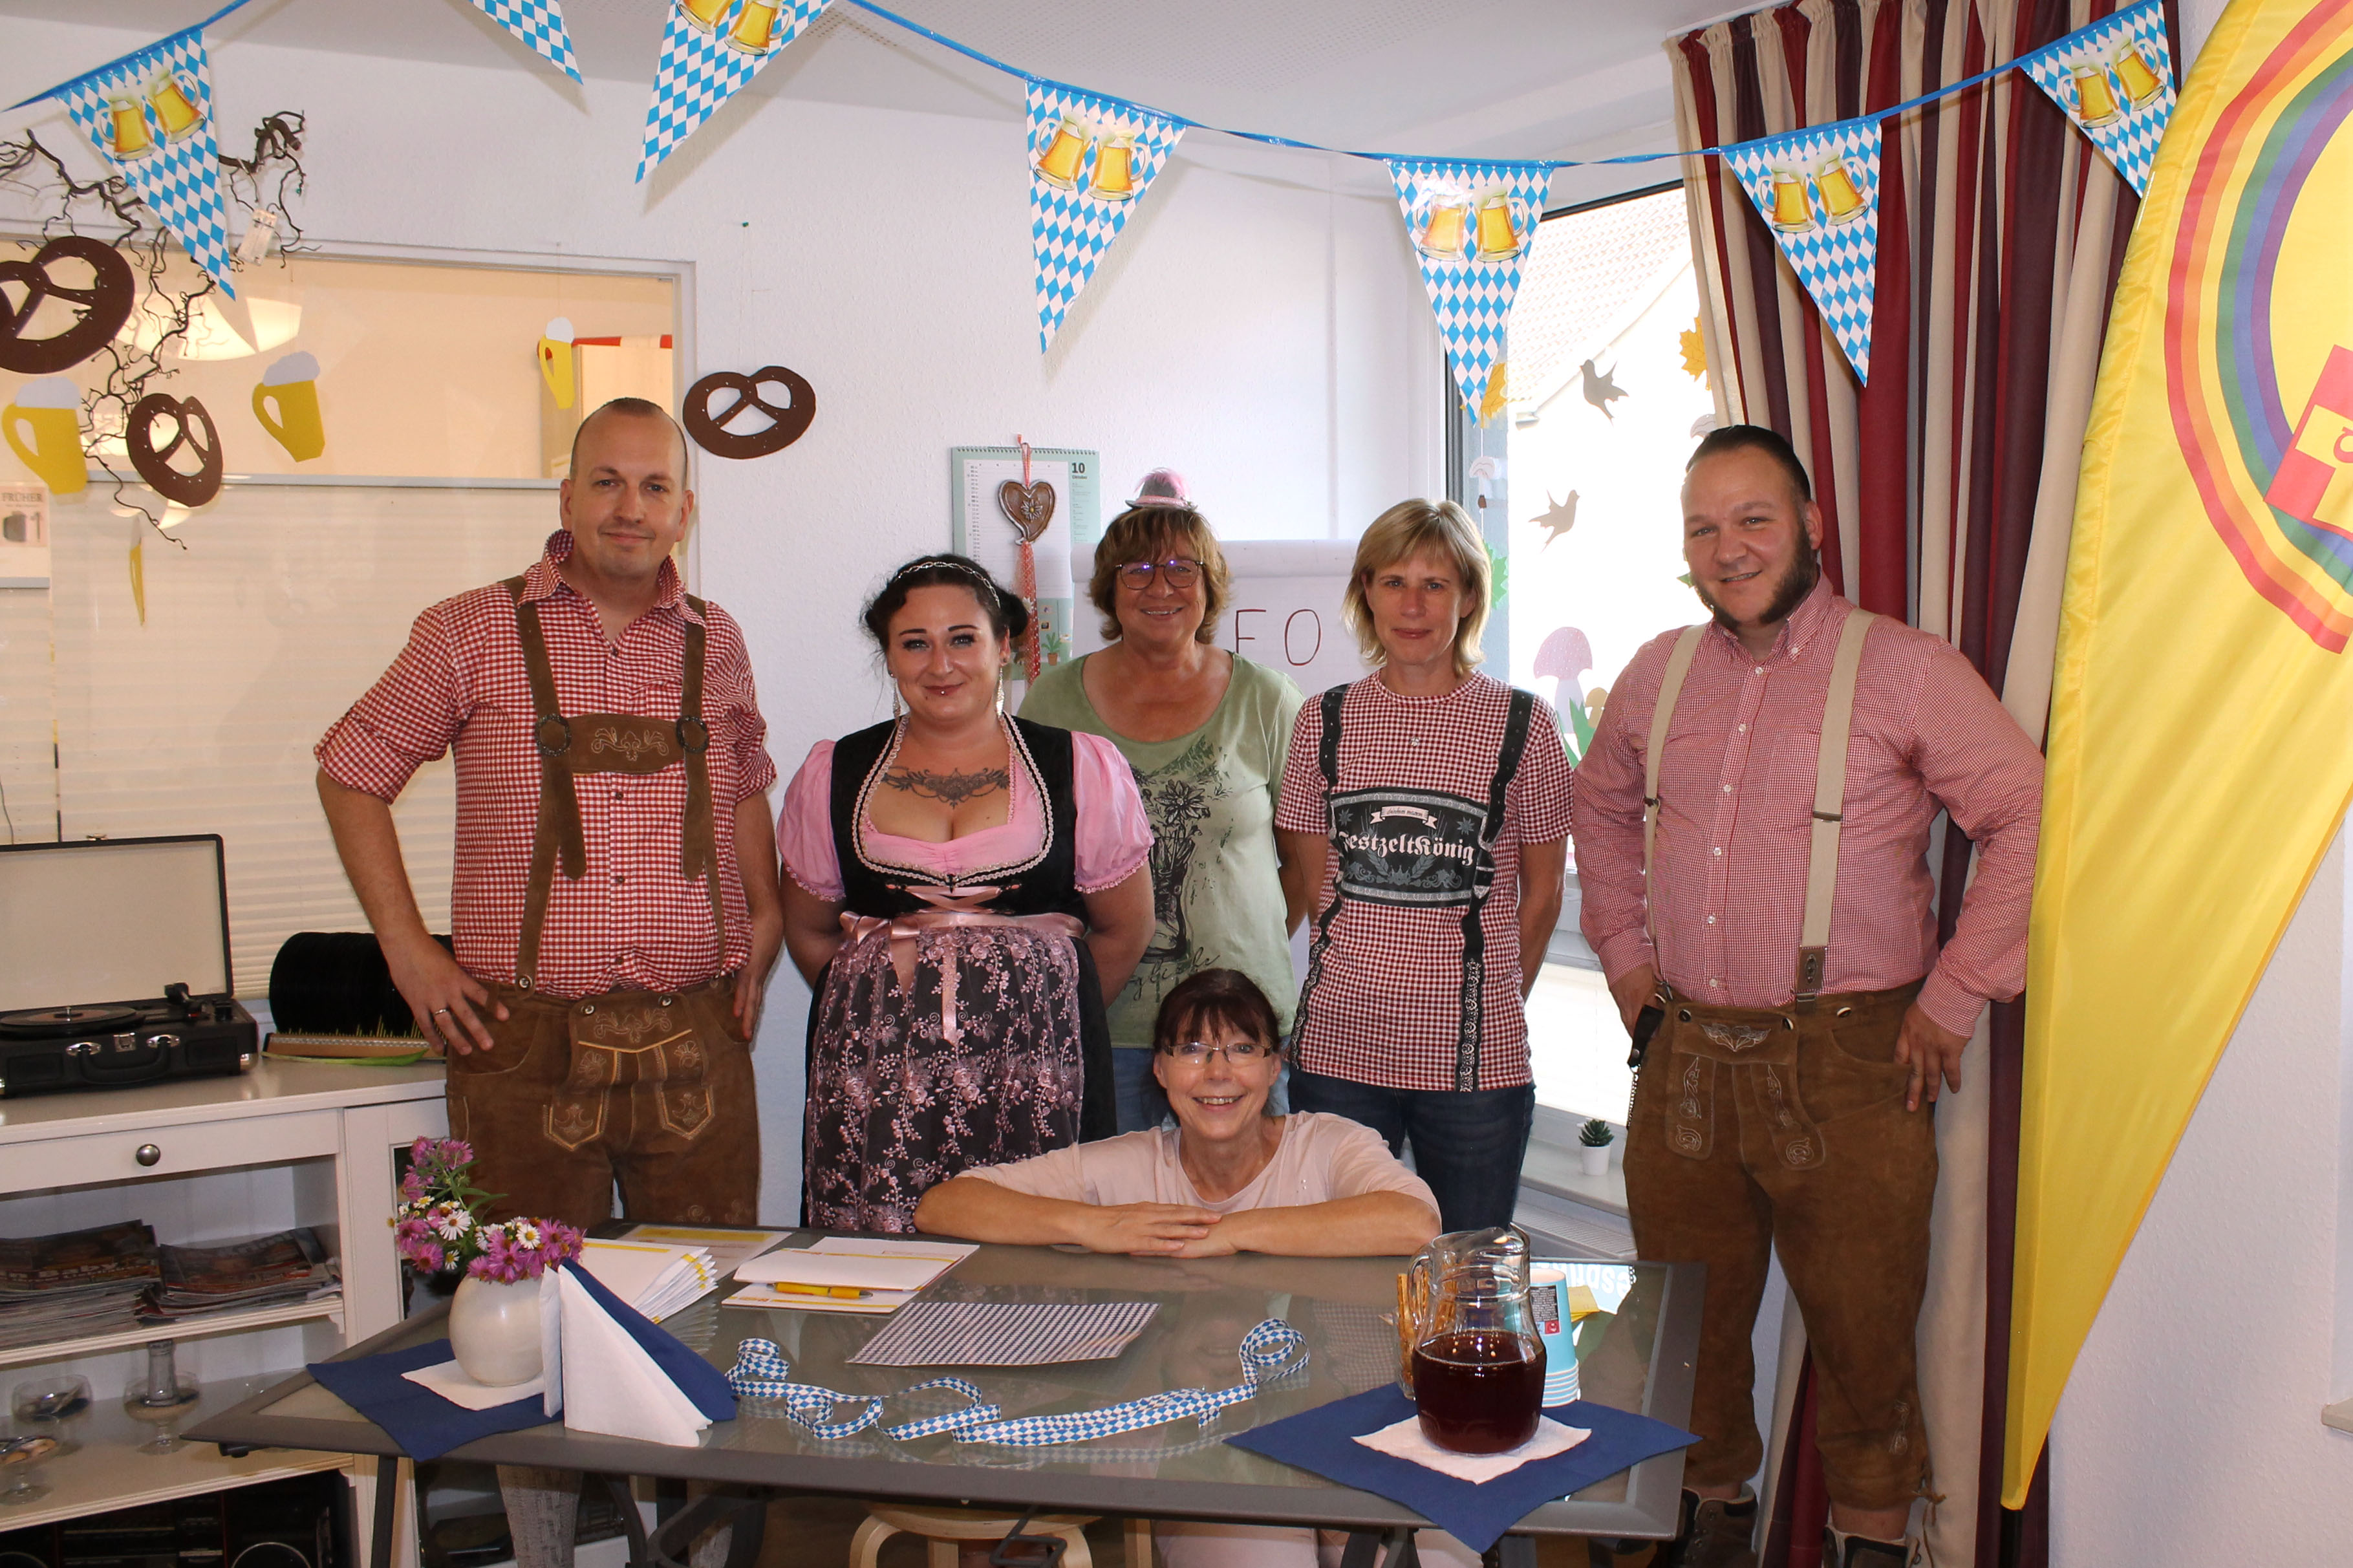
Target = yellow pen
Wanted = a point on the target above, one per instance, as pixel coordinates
(839, 1292)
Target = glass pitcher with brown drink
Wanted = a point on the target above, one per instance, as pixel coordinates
(1478, 1364)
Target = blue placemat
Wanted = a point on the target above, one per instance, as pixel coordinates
(425, 1424)
(1324, 1440)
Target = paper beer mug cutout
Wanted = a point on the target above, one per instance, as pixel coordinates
(190, 487)
(102, 305)
(1471, 224)
(50, 409)
(711, 426)
(1817, 190)
(2115, 80)
(292, 385)
(2315, 482)
(555, 360)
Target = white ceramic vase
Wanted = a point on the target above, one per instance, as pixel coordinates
(1597, 1161)
(494, 1329)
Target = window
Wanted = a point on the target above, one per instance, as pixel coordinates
(1607, 393)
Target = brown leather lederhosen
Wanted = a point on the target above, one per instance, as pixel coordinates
(652, 1088)
(1763, 1129)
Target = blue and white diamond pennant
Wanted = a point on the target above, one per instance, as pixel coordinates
(1819, 190)
(151, 114)
(540, 23)
(2115, 81)
(1091, 159)
(1471, 225)
(710, 48)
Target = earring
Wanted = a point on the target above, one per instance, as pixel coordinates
(898, 707)
(1002, 671)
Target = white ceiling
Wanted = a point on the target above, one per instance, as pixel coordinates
(1456, 77)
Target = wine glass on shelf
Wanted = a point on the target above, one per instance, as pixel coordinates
(162, 1398)
(49, 1406)
(21, 1454)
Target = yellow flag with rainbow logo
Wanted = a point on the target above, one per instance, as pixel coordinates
(2201, 721)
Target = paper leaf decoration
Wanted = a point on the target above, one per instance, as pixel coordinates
(540, 23)
(1091, 160)
(151, 113)
(1818, 192)
(709, 49)
(1471, 225)
(2115, 81)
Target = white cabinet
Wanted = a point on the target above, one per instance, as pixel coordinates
(289, 1143)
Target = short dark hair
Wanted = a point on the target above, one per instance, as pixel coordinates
(1142, 533)
(1754, 438)
(637, 408)
(1225, 997)
(1009, 617)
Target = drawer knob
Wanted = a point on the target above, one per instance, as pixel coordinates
(148, 1154)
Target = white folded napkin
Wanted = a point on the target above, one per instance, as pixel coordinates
(1404, 1440)
(611, 1386)
(449, 1381)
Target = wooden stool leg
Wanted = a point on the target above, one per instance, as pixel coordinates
(1075, 1555)
(940, 1553)
(1139, 1543)
(866, 1546)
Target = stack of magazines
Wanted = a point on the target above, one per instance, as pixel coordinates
(75, 1284)
(261, 1271)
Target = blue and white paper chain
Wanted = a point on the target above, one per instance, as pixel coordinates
(1270, 1350)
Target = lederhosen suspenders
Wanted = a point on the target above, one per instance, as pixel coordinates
(1441, 855)
(1829, 789)
(611, 743)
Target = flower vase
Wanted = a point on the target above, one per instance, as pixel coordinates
(1597, 1161)
(494, 1329)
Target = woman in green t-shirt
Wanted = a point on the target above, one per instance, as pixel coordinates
(1207, 733)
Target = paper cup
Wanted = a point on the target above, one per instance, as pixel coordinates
(1548, 1314)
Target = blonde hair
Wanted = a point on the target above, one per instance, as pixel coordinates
(1406, 529)
(1146, 533)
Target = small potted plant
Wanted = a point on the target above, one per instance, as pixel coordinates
(494, 1316)
(1594, 1139)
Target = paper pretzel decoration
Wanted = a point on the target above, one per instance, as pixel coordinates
(154, 463)
(787, 423)
(105, 305)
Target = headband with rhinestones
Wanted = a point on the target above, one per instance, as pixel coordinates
(934, 563)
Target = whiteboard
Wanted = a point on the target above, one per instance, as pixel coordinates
(1284, 613)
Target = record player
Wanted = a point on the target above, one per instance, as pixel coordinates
(139, 918)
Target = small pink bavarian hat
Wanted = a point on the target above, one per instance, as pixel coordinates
(1161, 487)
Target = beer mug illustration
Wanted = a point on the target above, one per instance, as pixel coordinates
(2095, 100)
(1499, 237)
(1446, 227)
(1841, 196)
(755, 28)
(174, 96)
(703, 15)
(2138, 78)
(1115, 176)
(292, 383)
(1059, 164)
(555, 360)
(126, 127)
(1792, 213)
(50, 409)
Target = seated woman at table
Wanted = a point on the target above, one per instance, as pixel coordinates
(1226, 1178)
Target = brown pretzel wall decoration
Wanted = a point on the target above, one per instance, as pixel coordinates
(105, 305)
(786, 425)
(153, 462)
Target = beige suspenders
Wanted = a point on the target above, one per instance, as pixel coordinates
(1830, 788)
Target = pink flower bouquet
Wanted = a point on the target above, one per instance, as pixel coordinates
(438, 1226)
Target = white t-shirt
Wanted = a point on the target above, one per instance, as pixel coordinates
(1322, 1157)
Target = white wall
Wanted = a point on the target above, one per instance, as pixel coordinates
(1261, 326)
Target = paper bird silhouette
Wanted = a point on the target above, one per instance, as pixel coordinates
(1599, 390)
(1558, 516)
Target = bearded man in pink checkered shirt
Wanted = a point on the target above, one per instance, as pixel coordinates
(1805, 1016)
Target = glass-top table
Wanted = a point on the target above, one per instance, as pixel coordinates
(1637, 1357)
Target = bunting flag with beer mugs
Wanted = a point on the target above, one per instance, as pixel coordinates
(1091, 159)
(540, 23)
(1471, 225)
(151, 114)
(1818, 192)
(2115, 80)
(709, 49)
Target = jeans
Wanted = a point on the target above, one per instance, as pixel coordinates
(1141, 1105)
(1466, 1145)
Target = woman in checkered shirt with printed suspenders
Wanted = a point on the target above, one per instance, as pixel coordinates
(1424, 823)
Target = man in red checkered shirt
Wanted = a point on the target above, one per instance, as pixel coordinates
(1776, 774)
(615, 911)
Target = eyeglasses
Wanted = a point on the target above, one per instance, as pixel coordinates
(1178, 572)
(1197, 1052)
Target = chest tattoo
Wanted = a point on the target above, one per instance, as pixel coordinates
(952, 789)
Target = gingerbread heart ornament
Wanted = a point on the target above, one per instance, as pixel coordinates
(1030, 507)
(105, 304)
